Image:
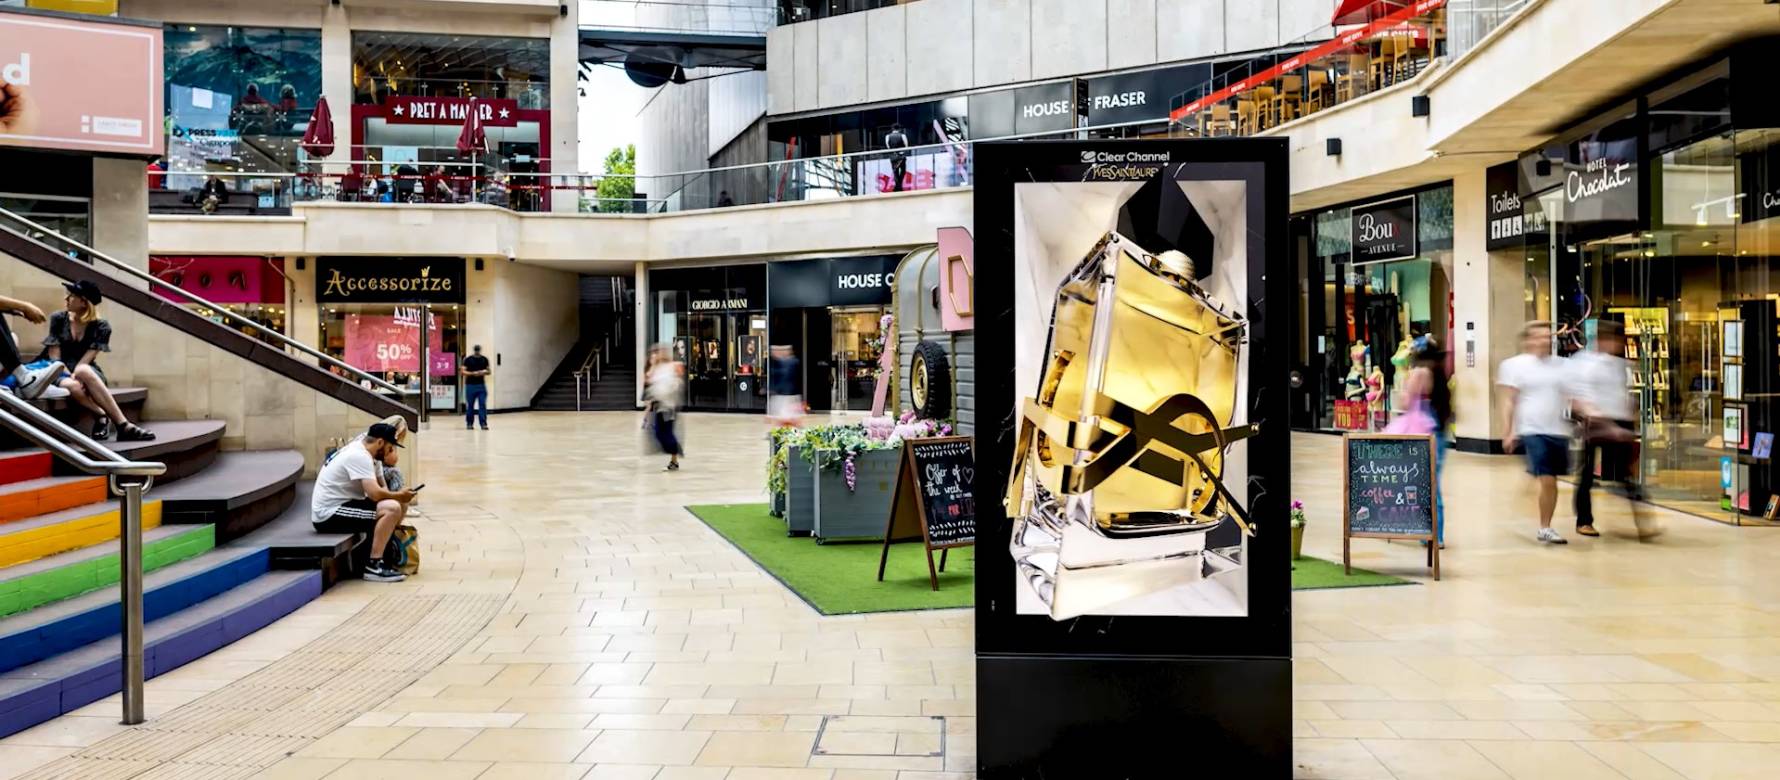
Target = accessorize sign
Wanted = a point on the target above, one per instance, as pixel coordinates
(389, 280)
(1384, 230)
(379, 342)
(410, 110)
(80, 84)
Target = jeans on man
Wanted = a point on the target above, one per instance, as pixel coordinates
(475, 405)
(1618, 461)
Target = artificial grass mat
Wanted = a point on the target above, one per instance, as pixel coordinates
(841, 578)
(1317, 574)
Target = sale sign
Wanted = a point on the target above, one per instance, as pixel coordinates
(80, 84)
(382, 343)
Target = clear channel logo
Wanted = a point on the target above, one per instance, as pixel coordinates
(1089, 156)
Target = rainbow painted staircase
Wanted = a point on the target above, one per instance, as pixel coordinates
(227, 549)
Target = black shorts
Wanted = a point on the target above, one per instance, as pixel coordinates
(356, 516)
(1547, 456)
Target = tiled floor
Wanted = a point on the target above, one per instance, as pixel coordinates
(635, 644)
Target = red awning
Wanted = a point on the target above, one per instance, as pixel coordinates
(318, 138)
(1364, 11)
(473, 137)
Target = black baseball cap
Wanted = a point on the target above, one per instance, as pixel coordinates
(85, 289)
(383, 431)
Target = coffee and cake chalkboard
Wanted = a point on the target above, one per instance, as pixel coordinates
(934, 499)
(1390, 492)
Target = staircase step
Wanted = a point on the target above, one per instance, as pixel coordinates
(32, 497)
(128, 398)
(68, 529)
(186, 446)
(295, 544)
(33, 693)
(65, 625)
(238, 493)
(22, 465)
(69, 574)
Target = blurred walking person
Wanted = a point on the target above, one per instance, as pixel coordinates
(784, 402)
(1427, 401)
(1608, 428)
(1534, 394)
(663, 390)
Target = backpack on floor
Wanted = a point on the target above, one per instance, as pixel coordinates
(402, 553)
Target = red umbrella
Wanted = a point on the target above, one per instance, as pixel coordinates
(318, 139)
(1363, 11)
(473, 138)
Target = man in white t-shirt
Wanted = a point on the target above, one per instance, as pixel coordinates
(350, 499)
(1605, 402)
(1535, 395)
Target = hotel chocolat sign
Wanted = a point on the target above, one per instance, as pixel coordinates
(389, 280)
(1384, 230)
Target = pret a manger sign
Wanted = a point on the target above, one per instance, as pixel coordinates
(80, 85)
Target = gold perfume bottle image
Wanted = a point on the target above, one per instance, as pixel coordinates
(1117, 472)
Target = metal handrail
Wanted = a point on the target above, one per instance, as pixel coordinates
(581, 374)
(153, 280)
(128, 480)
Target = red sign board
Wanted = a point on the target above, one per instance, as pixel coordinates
(80, 84)
(220, 279)
(383, 343)
(406, 110)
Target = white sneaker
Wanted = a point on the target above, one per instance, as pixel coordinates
(1550, 536)
(37, 383)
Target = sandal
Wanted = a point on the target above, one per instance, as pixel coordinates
(102, 428)
(134, 432)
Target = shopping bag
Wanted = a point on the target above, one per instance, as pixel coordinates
(402, 553)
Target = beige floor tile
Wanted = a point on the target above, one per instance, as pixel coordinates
(667, 748)
(857, 743)
(1394, 710)
(697, 706)
(1353, 729)
(615, 720)
(1630, 760)
(1747, 731)
(778, 749)
(778, 773)
(1433, 759)
(296, 769)
(374, 769)
(67, 731)
(465, 720)
(531, 771)
(1696, 761)
(358, 742)
(1452, 729)
(623, 772)
(692, 773)
(1546, 760)
(542, 745)
(433, 743)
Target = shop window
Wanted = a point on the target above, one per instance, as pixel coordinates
(384, 341)
(238, 99)
(412, 64)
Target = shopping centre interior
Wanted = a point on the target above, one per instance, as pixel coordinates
(315, 212)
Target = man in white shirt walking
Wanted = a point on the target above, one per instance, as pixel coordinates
(1605, 405)
(1534, 398)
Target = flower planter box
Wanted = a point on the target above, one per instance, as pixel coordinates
(800, 494)
(863, 511)
(777, 508)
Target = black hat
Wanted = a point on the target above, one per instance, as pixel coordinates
(382, 431)
(86, 290)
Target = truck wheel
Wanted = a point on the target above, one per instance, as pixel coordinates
(930, 381)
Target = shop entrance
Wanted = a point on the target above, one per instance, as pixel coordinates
(858, 341)
(725, 357)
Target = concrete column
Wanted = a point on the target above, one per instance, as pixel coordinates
(1488, 310)
(336, 81)
(120, 210)
(302, 314)
(643, 311)
(565, 60)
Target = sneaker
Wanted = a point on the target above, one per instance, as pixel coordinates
(1550, 536)
(35, 382)
(378, 571)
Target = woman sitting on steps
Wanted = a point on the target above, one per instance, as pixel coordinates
(77, 335)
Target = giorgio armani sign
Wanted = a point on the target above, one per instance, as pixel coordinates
(389, 280)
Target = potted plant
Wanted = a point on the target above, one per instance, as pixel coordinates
(839, 479)
(1297, 529)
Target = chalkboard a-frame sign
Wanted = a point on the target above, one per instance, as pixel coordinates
(1390, 492)
(935, 500)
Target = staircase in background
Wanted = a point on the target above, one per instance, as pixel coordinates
(603, 356)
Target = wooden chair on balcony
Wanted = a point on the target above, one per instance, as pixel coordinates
(1262, 97)
(1288, 103)
(1248, 114)
(1216, 120)
(1316, 97)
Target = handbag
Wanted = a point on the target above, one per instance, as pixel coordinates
(402, 553)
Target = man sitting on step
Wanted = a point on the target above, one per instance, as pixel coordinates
(349, 497)
(27, 382)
